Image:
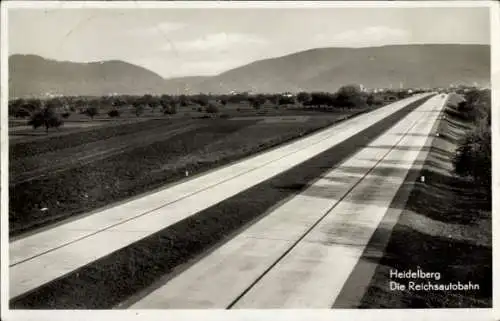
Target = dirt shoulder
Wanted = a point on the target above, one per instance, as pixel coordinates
(444, 225)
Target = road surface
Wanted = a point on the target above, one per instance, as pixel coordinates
(301, 254)
(52, 253)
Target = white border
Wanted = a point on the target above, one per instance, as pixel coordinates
(243, 4)
(495, 137)
(4, 163)
(250, 315)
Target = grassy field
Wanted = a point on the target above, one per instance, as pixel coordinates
(20, 132)
(75, 137)
(111, 280)
(446, 227)
(80, 172)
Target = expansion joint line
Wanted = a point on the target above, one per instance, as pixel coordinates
(322, 217)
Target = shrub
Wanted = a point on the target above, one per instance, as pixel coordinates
(114, 113)
(476, 106)
(65, 115)
(212, 109)
(473, 156)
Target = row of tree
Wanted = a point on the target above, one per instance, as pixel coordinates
(45, 112)
(473, 157)
(347, 96)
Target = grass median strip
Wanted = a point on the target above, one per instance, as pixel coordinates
(110, 280)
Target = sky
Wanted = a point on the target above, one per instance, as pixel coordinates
(187, 42)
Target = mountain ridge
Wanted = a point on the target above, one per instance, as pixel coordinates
(325, 69)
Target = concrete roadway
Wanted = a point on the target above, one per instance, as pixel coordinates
(301, 254)
(39, 258)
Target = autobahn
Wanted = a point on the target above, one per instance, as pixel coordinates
(287, 233)
(301, 254)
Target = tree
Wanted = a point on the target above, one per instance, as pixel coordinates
(91, 111)
(170, 109)
(79, 104)
(45, 117)
(183, 100)
(303, 97)
(165, 101)
(138, 108)
(349, 96)
(166, 98)
(201, 99)
(153, 105)
(147, 99)
(212, 109)
(373, 100)
(118, 102)
(257, 101)
(274, 99)
(319, 99)
(286, 100)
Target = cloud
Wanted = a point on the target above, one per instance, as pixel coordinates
(161, 28)
(167, 27)
(375, 35)
(218, 42)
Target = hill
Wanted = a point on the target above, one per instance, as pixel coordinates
(329, 68)
(428, 65)
(31, 75)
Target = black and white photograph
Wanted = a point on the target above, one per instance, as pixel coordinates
(255, 156)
